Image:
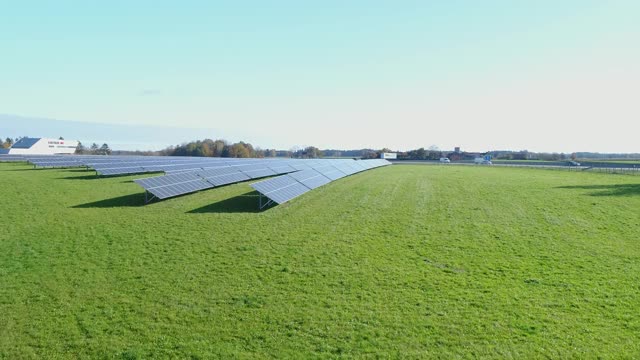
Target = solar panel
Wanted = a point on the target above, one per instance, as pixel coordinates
(310, 178)
(285, 194)
(260, 172)
(121, 171)
(359, 166)
(282, 168)
(218, 171)
(269, 185)
(165, 180)
(347, 170)
(330, 172)
(280, 189)
(367, 164)
(164, 192)
(255, 171)
(56, 163)
(300, 166)
(228, 179)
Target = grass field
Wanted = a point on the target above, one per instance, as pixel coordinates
(406, 260)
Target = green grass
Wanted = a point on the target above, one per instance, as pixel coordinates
(402, 261)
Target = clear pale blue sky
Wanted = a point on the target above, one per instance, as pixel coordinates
(538, 75)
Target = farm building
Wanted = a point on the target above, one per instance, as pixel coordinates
(42, 146)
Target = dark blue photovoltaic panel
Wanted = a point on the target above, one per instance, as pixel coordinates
(25, 143)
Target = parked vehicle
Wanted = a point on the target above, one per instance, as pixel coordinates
(483, 161)
(445, 160)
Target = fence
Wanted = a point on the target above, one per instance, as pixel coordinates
(627, 169)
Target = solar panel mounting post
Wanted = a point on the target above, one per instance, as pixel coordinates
(262, 206)
(148, 199)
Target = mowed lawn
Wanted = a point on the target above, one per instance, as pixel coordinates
(402, 261)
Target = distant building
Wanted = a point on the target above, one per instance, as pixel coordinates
(457, 150)
(388, 155)
(42, 146)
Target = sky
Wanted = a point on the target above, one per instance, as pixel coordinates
(539, 75)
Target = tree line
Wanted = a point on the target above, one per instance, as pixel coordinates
(94, 149)
(222, 148)
(6, 143)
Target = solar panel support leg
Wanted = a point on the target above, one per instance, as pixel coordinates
(148, 199)
(261, 205)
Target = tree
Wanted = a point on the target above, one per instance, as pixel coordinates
(240, 150)
(94, 149)
(60, 138)
(7, 143)
(312, 152)
(219, 147)
(80, 149)
(370, 154)
(105, 150)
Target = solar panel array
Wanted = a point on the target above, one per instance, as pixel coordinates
(174, 184)
(184, 175)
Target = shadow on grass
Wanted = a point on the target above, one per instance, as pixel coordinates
(608, 190)
(133, 200)
(82, 177)
(245, 203)
(23, 169)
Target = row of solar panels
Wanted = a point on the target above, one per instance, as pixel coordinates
(168, 165)
(11, 158)
(284, 188)
(175, 184)
(115, 165)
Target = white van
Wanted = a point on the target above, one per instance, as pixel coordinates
(445, 160)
